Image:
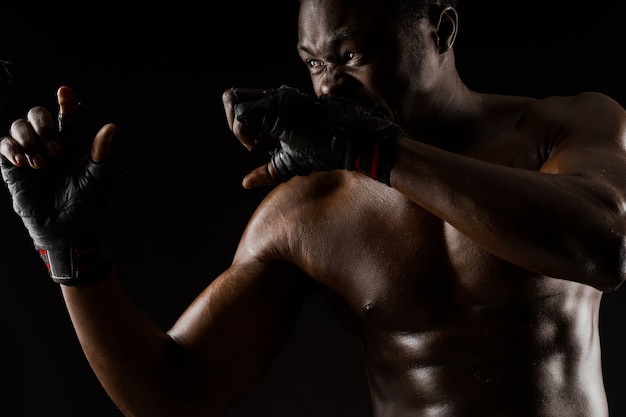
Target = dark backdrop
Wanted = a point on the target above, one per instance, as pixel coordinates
(158, 72)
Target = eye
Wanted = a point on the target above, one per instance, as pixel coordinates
(353, 57)
(314, 65)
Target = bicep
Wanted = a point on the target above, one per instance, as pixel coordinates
(233, 330)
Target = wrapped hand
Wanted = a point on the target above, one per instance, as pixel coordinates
(61, 194)
(316, 134)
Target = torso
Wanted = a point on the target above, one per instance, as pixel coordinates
(447, 328)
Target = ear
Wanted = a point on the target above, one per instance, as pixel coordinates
(447, 29)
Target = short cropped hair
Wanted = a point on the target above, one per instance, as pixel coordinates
(419, 9)
(412, 11)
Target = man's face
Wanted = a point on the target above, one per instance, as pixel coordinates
(351, 51)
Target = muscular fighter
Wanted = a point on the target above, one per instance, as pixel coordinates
(464, 238)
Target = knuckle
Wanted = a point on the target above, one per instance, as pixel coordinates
(229, 96)
(19, 126)
(37, 109)
(4, 144)
(38, 114)
(8, 147)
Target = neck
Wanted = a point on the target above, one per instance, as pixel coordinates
(448, 102)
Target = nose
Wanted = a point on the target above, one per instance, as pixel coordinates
(334, 82)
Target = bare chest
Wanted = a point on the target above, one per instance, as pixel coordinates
(393, 261)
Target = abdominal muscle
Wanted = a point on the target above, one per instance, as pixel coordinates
(530, 362)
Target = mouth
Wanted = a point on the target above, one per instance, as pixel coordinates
(381, 112)
(375, 107)
(371, 106)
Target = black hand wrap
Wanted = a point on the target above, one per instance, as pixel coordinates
(320, 134)
(61, 206)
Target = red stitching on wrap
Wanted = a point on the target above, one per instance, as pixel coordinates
(375, 155)
(44, 256)
(357, 163)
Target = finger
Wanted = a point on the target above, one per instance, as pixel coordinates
(250, 94)
(44, 126)
(101, 149)
(69, 104)
(12, 151)
(263, 176)
(229, 99)
(24, 135)
(246, 136)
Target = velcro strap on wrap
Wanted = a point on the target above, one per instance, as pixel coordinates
(76, 266)
(376, 157)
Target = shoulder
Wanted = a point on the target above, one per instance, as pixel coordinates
(300, 195)
(276, 225)
(585, 112)
(584, 133)
(584, 120)
(585, 98)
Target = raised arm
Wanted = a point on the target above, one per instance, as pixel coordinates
(216, 350)
(564, 219)
(221, 344)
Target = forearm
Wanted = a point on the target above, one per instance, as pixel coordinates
(526, 217)
(131, 357)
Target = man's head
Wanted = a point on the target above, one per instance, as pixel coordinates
(384, 53)
(414, 10)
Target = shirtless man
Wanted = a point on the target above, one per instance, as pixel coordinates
(464, 238)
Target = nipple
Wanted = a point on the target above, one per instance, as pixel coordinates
(368, 308)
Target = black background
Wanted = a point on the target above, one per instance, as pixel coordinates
(158, 72)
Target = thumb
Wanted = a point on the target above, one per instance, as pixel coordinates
(69, 104)
(101, 148)
(263, 176)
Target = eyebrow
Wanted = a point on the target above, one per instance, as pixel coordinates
(336, 38)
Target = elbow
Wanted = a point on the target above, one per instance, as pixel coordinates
(609, 269)
(613, 281)
(610, 250)
(597, 261)
(610, 283)
(600, 277)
